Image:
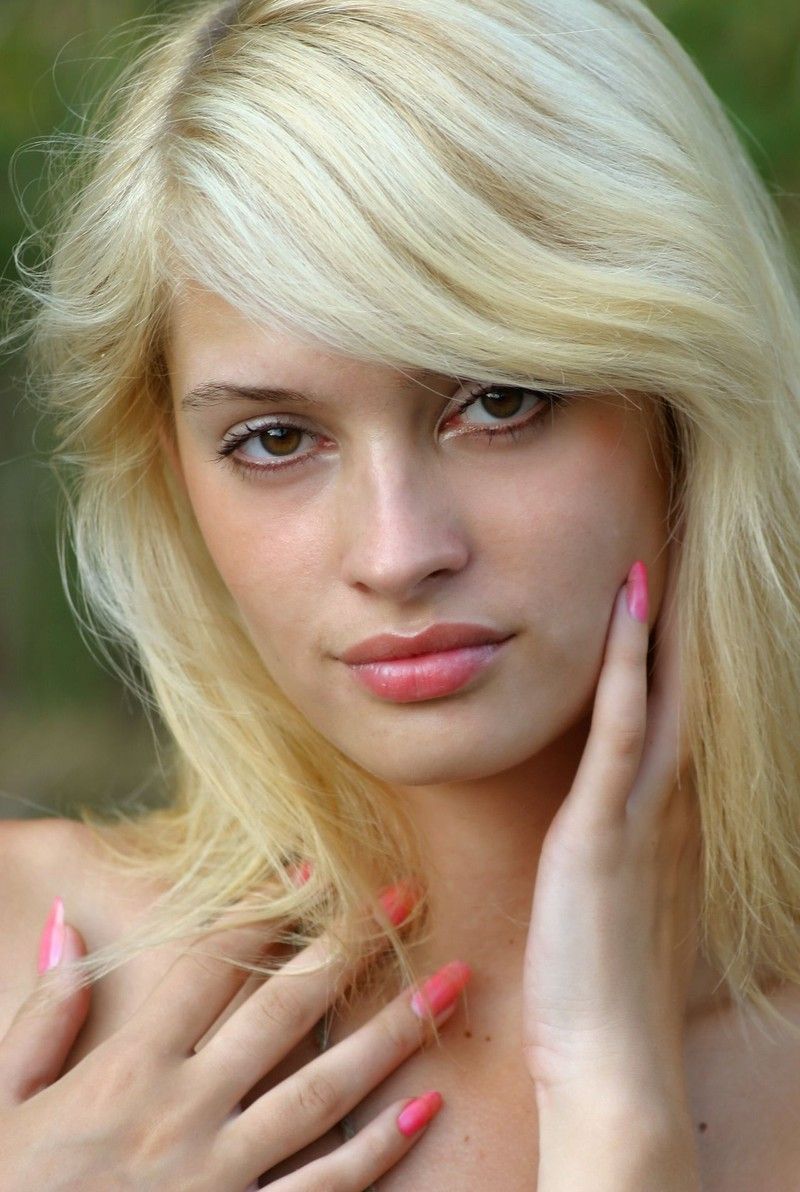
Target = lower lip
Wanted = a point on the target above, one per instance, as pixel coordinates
(425, 676)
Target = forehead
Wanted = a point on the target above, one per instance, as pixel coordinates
(201, 319)
(207, 338)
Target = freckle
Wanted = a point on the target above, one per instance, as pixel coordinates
(467, 1034)
(703, 1126)
(488, 1038)
(466, 1138)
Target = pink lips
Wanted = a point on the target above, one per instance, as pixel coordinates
(436, 662)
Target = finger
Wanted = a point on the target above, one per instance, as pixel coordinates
(613, 750)
(283, 1010)
(37, 1043)
(375, 1149)
(307, 1104)
(666, 754)
(195, 990)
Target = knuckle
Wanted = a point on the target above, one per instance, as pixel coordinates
(280, 1005)
(397, 1034)
(120, 1072)
(377, 1144)
(626, 739)
(318, 1095)
(122, 1068)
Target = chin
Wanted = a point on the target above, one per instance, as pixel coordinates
(417, 763)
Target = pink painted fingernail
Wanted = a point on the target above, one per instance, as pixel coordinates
(440, 991)
(398, 901)
(418, 1113)
(300, 873)
(51, 944)
(636, 591)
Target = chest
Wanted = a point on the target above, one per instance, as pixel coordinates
(743, 1083)
(744, 1094)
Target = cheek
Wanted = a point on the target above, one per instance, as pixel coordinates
(268, 561)
(561, 538)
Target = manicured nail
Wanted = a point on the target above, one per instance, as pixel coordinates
(51, 944)
(636, 591)
(299, 873)
(398, 901)
(418, 1113)
(441, 990)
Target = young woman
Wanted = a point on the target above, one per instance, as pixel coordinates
(426, 379)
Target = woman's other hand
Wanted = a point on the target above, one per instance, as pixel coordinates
(150, 1109)
(613, 933)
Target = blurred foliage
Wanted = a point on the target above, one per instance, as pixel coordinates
(68, 731)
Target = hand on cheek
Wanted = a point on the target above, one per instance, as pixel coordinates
(612, 939)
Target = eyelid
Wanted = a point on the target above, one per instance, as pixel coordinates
(253, 425)
(245, 432)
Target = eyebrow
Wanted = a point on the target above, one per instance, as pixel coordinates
(214, 393)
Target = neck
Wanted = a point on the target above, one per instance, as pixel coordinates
(481, 842)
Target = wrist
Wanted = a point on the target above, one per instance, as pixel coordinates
(615, 1141)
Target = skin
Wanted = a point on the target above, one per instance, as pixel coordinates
(394, 527)
(555, 770)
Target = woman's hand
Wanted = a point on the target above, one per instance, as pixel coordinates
(147, 1111)
(613, 932)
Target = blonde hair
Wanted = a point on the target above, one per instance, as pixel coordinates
(502, 189)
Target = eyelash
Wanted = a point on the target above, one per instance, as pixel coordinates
(229, 444)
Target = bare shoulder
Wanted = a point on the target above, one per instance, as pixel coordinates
(38, 859)
(42, 858)
(744, 1080)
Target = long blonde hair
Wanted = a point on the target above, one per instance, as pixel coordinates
(501, 189)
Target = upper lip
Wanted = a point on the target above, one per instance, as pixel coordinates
(436, 637)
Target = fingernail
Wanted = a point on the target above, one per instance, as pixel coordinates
(299, 873)
(51, 944)
(636, 591)
(398, 901)
(441, 990)
(418, 1113)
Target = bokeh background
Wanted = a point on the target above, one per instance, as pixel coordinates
(70, 733)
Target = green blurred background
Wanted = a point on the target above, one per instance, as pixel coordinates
(69, 731)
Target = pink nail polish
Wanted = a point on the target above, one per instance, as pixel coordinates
(398, 901)
(440, 991)
(418, 1113)
(300, 873)
(636, 591)
(51, 944)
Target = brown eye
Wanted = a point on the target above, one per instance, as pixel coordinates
(280, 440)
(502, 401)
(268, 447)
(492, 405)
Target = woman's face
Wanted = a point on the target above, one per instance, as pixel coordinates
(388, 510)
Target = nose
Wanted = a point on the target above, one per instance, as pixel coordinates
(399, 527)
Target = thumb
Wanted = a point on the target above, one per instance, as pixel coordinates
(37, 1043)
